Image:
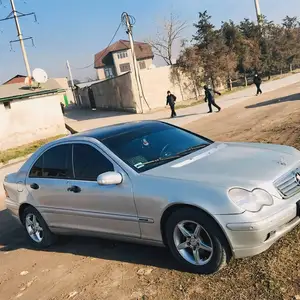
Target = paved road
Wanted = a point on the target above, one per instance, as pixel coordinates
(87, 119)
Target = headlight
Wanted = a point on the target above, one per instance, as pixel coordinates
(250, 201)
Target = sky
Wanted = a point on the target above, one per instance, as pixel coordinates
(75, 30)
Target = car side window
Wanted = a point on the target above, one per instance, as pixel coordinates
(89, 163)
(54, 163)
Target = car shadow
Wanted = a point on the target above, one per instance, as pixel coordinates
(289, 98)
(13, 237)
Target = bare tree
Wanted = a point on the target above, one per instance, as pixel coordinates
(166, 36)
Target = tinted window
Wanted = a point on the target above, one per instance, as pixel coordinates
(54, 163)
(89, 163)
(152, 145)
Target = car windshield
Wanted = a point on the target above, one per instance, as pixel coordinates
(155, 144)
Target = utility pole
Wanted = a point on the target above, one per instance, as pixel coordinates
(15, 15)
(70, 74)
(126, 19)
(258, 12)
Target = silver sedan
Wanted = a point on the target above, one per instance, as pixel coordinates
(155, 183)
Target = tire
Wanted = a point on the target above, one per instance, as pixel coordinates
(210, 244)
(46, 238)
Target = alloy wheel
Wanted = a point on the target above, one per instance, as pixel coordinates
(33, 228)
(193, 242)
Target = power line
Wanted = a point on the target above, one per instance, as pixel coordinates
(129, 21)
(16, 15)
(112, 39)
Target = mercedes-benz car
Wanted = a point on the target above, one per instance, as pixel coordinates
(158, 184)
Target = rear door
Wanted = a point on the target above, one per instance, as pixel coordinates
(47, 183)
(103, 209)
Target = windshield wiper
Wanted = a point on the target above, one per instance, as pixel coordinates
(192, 149)
(160, 159)
(177, 155)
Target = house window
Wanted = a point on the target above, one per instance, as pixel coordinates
(125, 67)
(108, 73)
(122, 54)
(7, 105)
(142, 64)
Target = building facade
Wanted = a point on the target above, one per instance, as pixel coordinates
(116, 60)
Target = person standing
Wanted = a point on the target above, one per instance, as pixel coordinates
(257, 81)
(210, 98)
(171, 99)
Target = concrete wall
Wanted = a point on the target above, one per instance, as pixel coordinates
(157, 81)
(121, 93)
(30, 120)
(114, 94)
(63, 82)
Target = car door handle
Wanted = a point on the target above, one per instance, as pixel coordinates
(74, 189)
(34, 186)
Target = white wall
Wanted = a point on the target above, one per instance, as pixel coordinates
(157, 81)
(31, 119)
(124, 60)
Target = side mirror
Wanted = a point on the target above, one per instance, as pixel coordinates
(110, 178)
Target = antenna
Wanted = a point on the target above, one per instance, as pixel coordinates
(39, 76)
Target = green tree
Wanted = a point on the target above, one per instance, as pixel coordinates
(213, 50)
(291, 40)
(189, 63)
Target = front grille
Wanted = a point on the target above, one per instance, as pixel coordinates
(287, 185)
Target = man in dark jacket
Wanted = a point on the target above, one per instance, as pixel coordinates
(210, 98)
(257, 81)
(171, 99)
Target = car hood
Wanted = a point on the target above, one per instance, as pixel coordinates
(232, 164)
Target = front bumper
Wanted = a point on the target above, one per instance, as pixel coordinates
(252, 238)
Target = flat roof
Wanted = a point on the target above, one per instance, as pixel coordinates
(16, 91)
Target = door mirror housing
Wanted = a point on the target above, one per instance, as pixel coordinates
(110, 178)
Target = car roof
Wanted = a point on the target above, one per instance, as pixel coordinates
(105, 132)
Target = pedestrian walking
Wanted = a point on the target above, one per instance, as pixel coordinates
(171, 99)
(210, 98)
(257, 81)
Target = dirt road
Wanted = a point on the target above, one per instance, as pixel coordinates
(88, 268)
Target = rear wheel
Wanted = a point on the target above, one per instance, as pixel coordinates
(196, 241)
(36, 228)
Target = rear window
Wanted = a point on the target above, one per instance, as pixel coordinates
(54, 163)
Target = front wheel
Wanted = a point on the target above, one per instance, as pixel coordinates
(37, 230)
(196, 241)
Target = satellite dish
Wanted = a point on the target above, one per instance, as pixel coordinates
(28, 81)
(39, 75)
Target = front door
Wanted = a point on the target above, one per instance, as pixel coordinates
(104, 209)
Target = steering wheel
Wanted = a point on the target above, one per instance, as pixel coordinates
(164, 152)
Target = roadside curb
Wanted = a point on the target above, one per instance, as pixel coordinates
(14, 161)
